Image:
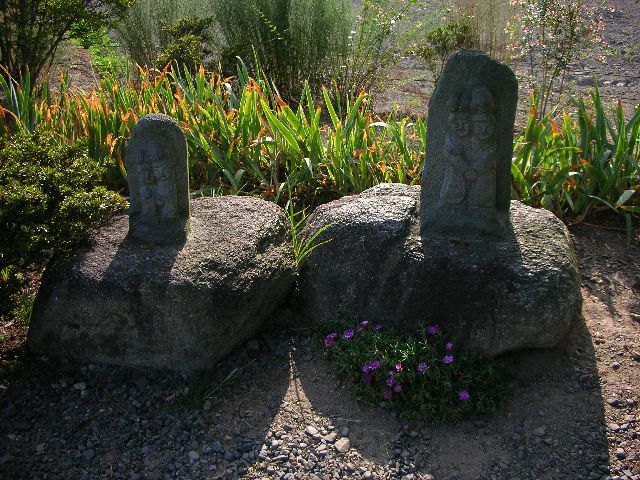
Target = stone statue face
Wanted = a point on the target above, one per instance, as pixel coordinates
(483, 126)
(458, 124)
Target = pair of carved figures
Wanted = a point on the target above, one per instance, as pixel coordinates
(469, 181)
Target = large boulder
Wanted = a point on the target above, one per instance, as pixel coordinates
(494, 296)
(181, 307)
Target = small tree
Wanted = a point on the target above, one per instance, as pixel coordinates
(550, 35)
(32, 30)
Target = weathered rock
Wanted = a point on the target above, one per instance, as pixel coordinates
(181, 307)
(158, 177)
(466, 183)
(495, 296)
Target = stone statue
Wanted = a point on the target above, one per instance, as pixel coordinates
(466, 179)
(158, 177)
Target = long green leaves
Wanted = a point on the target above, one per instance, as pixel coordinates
(243, 138)
(240, 139)
(586, 163)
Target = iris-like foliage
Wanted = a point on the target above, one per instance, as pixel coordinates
(581, 164)
(241, 138)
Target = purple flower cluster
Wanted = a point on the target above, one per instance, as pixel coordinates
(433, 329)
(391, 380)
(449, 346)
(349, 333)
(330, 339)
(464, 395)
(371, 366)
(447, 359)
(422, 367)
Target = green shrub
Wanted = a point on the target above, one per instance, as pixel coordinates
(294, 40)
(580, 165)
(381, 34)
(106, 54)
(142, 34)
(189, 46)
(421, 376)
(441, 42)
(50, 198)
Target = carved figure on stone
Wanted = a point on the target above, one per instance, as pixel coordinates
(157, 173)
(466, 178)
(159, 194)
(469, 179)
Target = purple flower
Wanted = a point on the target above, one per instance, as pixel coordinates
(367, 378)
(397, 388)
(387, 394)
(390, 381)
(377, 327)
(362, 325)
(371, 366)
(348, 334)
(449, 346)
(433, 329)
(330, 339)
(422, 367)
(448, 359)
(463, 395)
(398, 367)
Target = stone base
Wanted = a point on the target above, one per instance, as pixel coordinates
(178, 307)
(494, 296)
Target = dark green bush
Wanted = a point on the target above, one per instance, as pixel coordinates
(421, 376)
(50, 198)
(189, 45)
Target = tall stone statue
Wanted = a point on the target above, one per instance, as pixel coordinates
(466, 178)
(158, 176)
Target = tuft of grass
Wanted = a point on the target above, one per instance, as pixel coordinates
(302, 247)
(488, 20)
(421, 375)
(193, 397)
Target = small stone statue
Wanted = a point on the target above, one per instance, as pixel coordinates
(465, 183)
(158, 176)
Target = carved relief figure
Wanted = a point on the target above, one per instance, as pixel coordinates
(453, 187)
(470, 150)
(158, 192)
(158, 179)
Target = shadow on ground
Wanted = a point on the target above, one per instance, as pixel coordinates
(552, 427)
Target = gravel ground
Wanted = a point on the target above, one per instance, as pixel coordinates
(573, 412)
